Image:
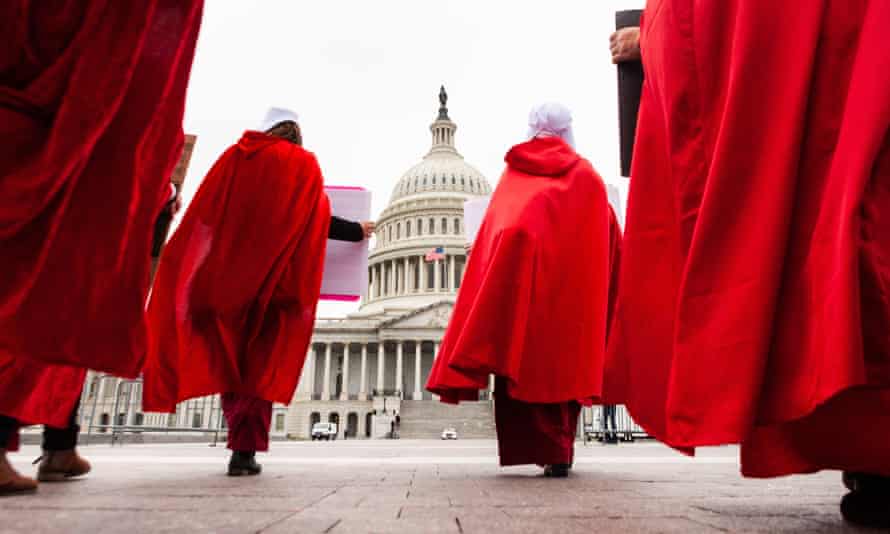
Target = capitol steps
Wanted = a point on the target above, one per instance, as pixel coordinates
(427, 419)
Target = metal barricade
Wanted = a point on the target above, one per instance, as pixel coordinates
(126, 402)
(626, 429)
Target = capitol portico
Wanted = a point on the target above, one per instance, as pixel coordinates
(363, 370)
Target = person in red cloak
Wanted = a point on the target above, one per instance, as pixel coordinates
(233, 305)
(91, 101)
(534, 303)
(754, 304)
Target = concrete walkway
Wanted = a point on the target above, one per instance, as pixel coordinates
(419, 486)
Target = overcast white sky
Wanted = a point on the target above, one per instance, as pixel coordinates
(364, 77)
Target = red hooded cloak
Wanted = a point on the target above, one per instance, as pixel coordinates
(533, 305)
(233, 304)
(91, 101)
(754, 304)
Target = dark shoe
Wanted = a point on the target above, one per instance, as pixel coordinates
(244, 464)
(867, 509)
(866, 482)
(11, 482)
(57, 466)
(557, 470)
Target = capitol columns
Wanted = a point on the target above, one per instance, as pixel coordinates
(421, 264)
(400, 369)
(344, 390)
(418, 369)
(363, 387)
(392, 278)
(326, 386)
(407, 277)
(381, 357)
(452, 281)
(306, 385)
(435, 357)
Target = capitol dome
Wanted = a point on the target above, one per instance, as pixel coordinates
(425, 212)
(443, 170)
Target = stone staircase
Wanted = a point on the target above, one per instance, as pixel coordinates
(424, 419)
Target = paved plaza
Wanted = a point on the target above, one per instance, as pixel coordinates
(419, 486)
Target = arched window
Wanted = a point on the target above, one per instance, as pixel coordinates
(352, 425)
(408, 229)
(444, 226)
(453, 180)
(389, 233)
(419, 226)
(432, 226)
(456, 226)
(398, 230)
(434, 179)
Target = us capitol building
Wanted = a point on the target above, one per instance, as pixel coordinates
(367, 371)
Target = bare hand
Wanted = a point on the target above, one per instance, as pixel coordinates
(176, 205)
(625, 45)
(368, 227)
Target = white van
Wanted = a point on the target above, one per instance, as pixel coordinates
(326, 431)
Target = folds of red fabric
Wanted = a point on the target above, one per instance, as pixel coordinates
(248, 420)
(91, 103)
(754, 304)
(533, 304)
(37, 393)
(530, 433)
(233, 304)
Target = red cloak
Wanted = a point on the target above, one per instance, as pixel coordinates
(91, 102)
(533, 304)
(233, 304)
(754, 304)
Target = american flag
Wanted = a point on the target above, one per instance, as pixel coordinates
(437, 253)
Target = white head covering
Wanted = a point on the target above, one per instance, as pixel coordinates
(551, 119)
(277, 115)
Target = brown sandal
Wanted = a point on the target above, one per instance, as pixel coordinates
(11, 482)
(58, 466)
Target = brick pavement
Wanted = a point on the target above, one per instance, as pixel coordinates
(419, 486)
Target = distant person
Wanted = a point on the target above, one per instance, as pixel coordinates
(533, 308)
(92, 97)
(234, 302)
(609, 417)
(162, 225)
(754, 305)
